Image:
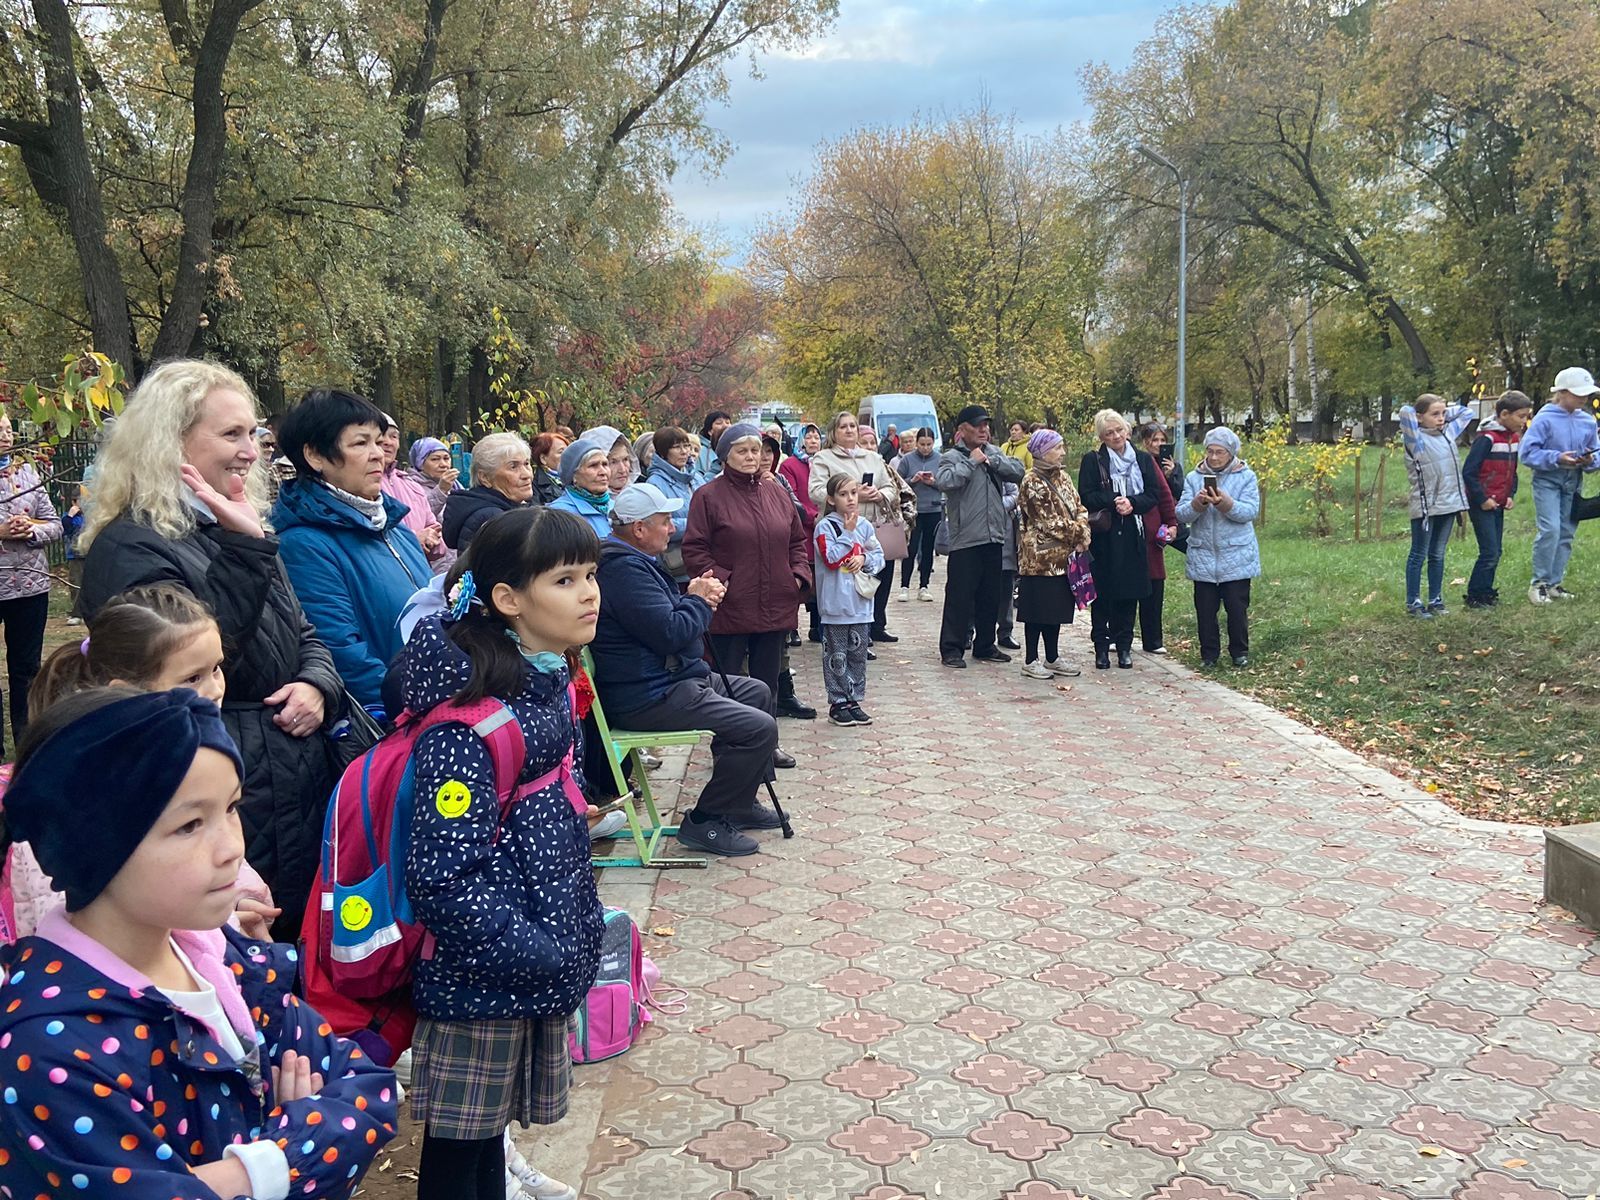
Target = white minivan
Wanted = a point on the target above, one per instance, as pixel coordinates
(906, 411)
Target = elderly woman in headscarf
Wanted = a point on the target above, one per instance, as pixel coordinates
(745, 530)
(433, 470)
(586, 477)
(1119, 482)
(1221, 499)
(502, 479)
(1051, 528)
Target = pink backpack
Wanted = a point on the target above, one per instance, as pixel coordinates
(626, 987)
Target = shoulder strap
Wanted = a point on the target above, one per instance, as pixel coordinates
(500, 730)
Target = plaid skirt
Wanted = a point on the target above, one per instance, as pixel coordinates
(470, 1079)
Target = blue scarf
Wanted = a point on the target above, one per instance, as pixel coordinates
(601, 503)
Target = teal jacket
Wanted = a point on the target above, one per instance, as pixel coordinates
(352, 579)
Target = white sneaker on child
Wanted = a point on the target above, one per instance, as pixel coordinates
(524, 1181)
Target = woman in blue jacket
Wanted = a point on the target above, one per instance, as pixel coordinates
(1220, 501)
(586, 475)
(351, 561)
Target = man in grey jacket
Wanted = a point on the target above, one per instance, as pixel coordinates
(972, 475)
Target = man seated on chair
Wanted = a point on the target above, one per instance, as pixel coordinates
(652, 676)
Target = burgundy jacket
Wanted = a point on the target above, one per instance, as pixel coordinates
(1164, 513)
(748, 534)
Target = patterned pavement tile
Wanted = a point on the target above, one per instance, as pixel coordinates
(966, 980)
(949, 1167)
(816, 1172)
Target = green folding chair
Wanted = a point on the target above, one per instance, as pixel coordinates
(624, 745)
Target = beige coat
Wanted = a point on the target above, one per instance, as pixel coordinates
(1052, 524)
(899, 502)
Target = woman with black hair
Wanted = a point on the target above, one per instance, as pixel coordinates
(351, 560)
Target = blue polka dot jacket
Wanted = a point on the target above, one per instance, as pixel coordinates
(511, 904)
(107, 1089)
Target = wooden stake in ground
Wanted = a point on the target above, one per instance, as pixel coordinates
(1358, 496)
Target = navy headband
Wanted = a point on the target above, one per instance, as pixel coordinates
(85, 799)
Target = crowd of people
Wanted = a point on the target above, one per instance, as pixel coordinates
(247, 627)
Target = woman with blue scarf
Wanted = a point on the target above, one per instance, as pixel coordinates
(586, 476)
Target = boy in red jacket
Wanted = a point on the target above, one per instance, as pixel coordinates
(1490, 475)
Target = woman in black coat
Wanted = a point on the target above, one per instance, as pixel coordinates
(1122, 481)
(190, 514)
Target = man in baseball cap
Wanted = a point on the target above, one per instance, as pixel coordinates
(651, 672)
(972, 475)
(1560, 445)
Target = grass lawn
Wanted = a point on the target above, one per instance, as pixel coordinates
(1498, 711)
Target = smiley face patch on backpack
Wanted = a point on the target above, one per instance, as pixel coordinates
(452, 799)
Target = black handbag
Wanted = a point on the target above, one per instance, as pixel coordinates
(351, 736)
(1585, 508)
(1102, 520)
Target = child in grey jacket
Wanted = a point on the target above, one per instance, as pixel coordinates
(847, 549)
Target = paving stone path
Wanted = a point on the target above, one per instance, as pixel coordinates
(1132, 937)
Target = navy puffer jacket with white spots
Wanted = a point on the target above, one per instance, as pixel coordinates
(512, 905)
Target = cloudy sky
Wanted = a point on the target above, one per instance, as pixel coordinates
(884, 62)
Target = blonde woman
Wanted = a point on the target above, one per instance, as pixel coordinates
(1123, 482)
(179, 498)
(884, 496)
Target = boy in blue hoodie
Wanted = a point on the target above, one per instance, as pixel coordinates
(1560, 445)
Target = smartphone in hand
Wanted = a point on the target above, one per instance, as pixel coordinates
(1209, 482)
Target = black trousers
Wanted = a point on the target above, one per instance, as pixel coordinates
(24, 620)
(1006, 618)
(452, 1169)
(1150, 615)
(1112, 623)
(880, 599)
(1235, 597)
(973, 591)
(758, 655)
(745, 735)
(922, 539)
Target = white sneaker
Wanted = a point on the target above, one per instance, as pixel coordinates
(925, 595)
(524, 1181)
(1157, 650)
(1057, 667)
(612, 822)
(1036, 670)
(1539, 593)
(905, 594)
(1557, 592)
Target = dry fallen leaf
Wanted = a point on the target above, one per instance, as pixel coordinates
(663, 931)
(1429, 1151)
(1514, 1163)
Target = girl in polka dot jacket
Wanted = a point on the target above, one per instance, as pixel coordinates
(509, 896)
(145, 1052)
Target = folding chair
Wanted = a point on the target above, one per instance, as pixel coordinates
(622, 746)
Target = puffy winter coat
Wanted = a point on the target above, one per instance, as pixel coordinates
(267, 642)
(420, 517)
(797, 471)
(587, 513)
(352, 579)
(123, 1092)
(678, 485)
(1222, 546)
(649, 637)
(466, 511)
(23, 569)
(747, 533)
(511, 903)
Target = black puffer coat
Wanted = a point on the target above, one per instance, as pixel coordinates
(267, 642)
(467, 512)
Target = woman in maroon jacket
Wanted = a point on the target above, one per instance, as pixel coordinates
(1163, 517)
(744, 530)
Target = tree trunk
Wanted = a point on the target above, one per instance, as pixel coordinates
(104, 292)
(1294, 366)
(190, 286)
(1311, 353)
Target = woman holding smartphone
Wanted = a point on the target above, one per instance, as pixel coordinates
(1220, 501)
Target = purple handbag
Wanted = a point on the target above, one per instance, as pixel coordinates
(1081, 579)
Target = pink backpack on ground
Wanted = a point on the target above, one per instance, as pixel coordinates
(626, 987)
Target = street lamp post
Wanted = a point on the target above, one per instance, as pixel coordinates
(1183, 281)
